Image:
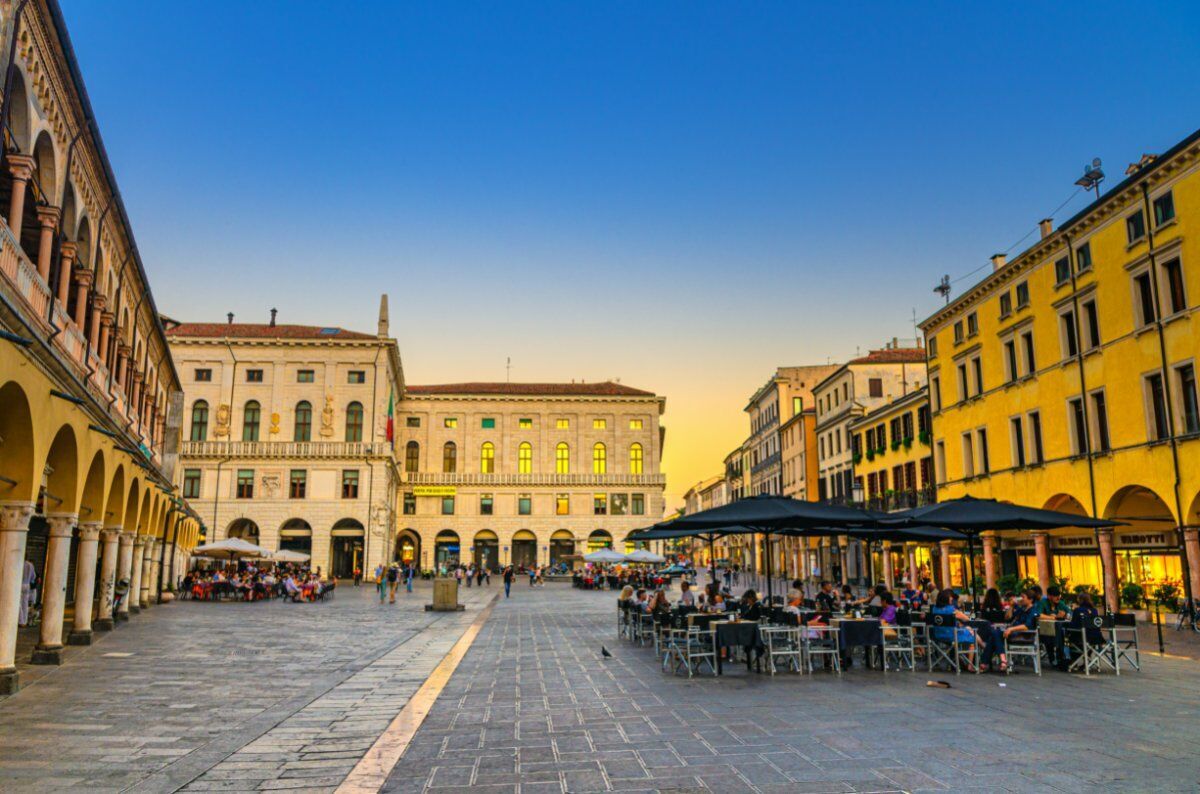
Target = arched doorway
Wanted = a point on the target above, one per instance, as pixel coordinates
(346, 547)
(243, 528)
(408, 548)
(446, 550)
(599, 539)
(1147, 549)
(296, 535)
(562, 545)
(485, 552)
(524, 549)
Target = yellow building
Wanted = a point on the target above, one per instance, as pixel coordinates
(1066, 379)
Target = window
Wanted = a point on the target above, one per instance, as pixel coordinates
(984, 465)
(412, 456)
(412, 421)
(203, 376)
(599, 424)
(245, 484)
(600, 504)
(1070, 343)
(562, 459)
(1173, 277)
(354, 422)
(939, 453)
(449, 458)
(1144, 298)
(305, 376)
(525, 423)
(410, 503)
(924, 422)
(637, 504)
(1135, 227)
(618, 504)
(1189, 409)
(963, 394)
(191, 483)
(1083, 257)
(356, 376)
(933, 349)
(447, 505)
(1035, 437)
(935, 392)
(1010, 360)
(488, 423)
(1018, 442)
(972, 324)
(968, 455)
(251, 415)
(635, 459)
(797, 407)
(1078, 426)
(350, 484)
(450, 422)
(297, 483)
(1030, 359)
(875, 387)
(302, 431)
(487, 458)
(525, 458)
(524, 504)
(1005, 305)
(977, 370)
(1100, 421)
(562, 504)
(599, 459)
(1062, 271)
(254, 376)
(1091, 325)
(1022, 291)
(562, 424)
(199, 420)
(636, 424)
(485, 504)
(958, 332)
(1164, 209)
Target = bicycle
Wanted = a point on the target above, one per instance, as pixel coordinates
(1188, 615)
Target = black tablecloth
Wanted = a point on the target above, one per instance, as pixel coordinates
(738, 635)
(853, 633)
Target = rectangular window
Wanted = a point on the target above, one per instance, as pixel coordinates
(485, 504)
(525, 423)
(1083, 257)
(968, 455)
(450, 422)
(599, 424)
(562, 424)
(637, 504)
(305, 376)
(410, 504)
(1070, 343)
(447, 505)
(356, 376)
(935, 392)
(350, 484)
(939, 453)
(191, 483)
(1030, 359)
(1164, 209)
(600, 504)
(254, 376)
(1078, 426)
(797, 407)
(963, 393)
(1018, 442)
(1022, 291)
(1135, 227)
(1005, 305)
(984, 464)
(635, 424)
(487, 423)
(297, 483)
(1062, 271)
(524, 504)
(875, 387)
(977, 369)
(1100, 421)
(933, 349)
(245, 484)
(1035, 437)
(1010, 360)
(1144, 292)
(412, 421)
(1091, 325)
(618, 504)
(1172, 280)
(958, 332)
(562, 504)
(1189, 408)
(203, 375)
(972, 324)
(1156, 407)
(924, 423)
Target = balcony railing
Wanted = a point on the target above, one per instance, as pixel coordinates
(279, 450)
(565, 480)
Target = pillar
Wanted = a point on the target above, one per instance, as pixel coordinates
(989, 559)
(125, 569)
(106, 319)
(887, 564)
(1041, 547)
(85, 583)
(65, 266)
(21, 168)
(944, 560)
(913, 580)
(844, 552)
(14, 528)
(84, 278)
(108, 577)
(147, 573)
(48, 218)
(1191, 543)
(1108, 557)
(135, 574)
(49, 649)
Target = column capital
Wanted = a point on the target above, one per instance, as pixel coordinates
(14, 516)
(62, 524)
(1187, 531)
(1106, 532)
(68, 250)
(139, 541)
(90, 530)
(20, 166)
(988, 539)
(1039, 533)
(84, 278)
(945, 544)
(48, 216)
(111, 532)
(106, 317)
(127, 535)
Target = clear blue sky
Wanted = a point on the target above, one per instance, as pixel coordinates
(682, 195)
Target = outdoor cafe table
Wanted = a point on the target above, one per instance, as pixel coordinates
(740, 634)
(856, 632)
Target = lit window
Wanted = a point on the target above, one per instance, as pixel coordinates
(600, 504)
(562, 504)
(599, 459)
(635, 424)
(525, 424)
(354, 422)
(450, 421)
(525, 458)
(635, 459)
(599, 424)
(303, 427)
(562, 459)
(562, 424)
(487, 458)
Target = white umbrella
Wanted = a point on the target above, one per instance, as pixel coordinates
(604, 555)
(230, 549)
(287, 555)
(644, 555)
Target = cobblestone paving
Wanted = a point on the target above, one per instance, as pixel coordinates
(534, 708)
(229, 697)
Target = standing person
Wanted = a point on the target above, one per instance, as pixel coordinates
(393, 575)
(479, 576)
(508, 580)
(470, 574)
(381, 581)
(410, 571)
(357, 576)
(532, 574)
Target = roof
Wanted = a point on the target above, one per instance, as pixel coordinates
(604, 389)
(262, 331)
(892, 355)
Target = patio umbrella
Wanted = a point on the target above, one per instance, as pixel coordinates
(870, 534)
(230, 549)
(644, 555)
(667, 531)
(604, 555)
(287, 555)
(972, 516)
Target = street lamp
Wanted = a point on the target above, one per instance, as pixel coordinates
(1092, 177)
(856, 492)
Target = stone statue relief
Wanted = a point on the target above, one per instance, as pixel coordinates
(222, 427)
(274, 424)
(327, 417)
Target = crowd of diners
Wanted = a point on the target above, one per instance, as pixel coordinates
(256, 581)
(616, 577)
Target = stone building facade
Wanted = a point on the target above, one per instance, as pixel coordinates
(524, 473)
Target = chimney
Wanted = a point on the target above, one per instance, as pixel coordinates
(230, 316)
(1047, 227)
(273, 313)
(895, 343)
(998, 262)
(383, 316)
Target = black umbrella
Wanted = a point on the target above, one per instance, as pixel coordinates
(869, 534)
(667, 531)
(972, 516)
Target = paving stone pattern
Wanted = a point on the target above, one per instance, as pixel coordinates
(227, 697)
(534, 708)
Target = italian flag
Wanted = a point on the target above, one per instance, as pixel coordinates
(391, 420)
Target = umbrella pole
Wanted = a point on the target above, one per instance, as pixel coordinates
(971, 572)
(767, 553)
(712, 558)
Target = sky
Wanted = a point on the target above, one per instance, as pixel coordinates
(682, 196)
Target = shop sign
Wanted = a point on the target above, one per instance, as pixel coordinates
(1022, 544)
(435, 490)
(1145, 540)
(1074, 542)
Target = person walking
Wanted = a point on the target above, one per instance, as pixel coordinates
(28, 580)
(479, 576)
(532, 575)
(357, 576)
(470, 574)
(508, 580)
(393, 576)
(409, 572)
(379, 581)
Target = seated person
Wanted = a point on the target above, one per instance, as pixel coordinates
(963, 635)
(750, 608)
(642, 601)
(847, 597)
(875, 599)
(888, 616)
(1081, 620)
(795, 601)
(686, 597)
(1052, 605)
(626, 594)
(908, 593)
(993, 605)
(1023, 620)
(826, 598)
(659, 604)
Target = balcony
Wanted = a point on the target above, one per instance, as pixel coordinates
(535, 480)
(285, 450)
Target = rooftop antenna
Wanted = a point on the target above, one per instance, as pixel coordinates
(943, 288)
(508, 369)
(1092, 177)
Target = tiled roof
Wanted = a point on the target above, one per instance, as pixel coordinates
(262, 331)
(605, 389)
(893, 355)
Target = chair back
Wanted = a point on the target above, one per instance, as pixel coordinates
(940, 621)
(903, 617)
(874, 612)
(1124, 619)
(994, 615)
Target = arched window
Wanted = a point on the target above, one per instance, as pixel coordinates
(450, 457)
(487, 458)
(354, 421)
(635, 459)
(303, 431)
(412, 457)
(251, 416)
(525, 458)
(200, 421)
(599, 459)
(562, 458)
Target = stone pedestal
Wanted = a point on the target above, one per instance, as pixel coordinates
(445, 596)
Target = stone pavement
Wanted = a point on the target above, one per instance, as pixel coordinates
(534, 708)
(229, 696)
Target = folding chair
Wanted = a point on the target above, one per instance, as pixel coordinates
(644, 628)
(1093, 644)
(822, 641)
(1125, 639)
(1024, 644)
(699, 648)
(783, 642)
(952, 651)
(898, 643)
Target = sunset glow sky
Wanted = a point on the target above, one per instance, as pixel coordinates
(679, 195)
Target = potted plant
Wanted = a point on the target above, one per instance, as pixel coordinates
(858, 458)
(925, 437)
(870, 454)
(895, 444)
(908, 442)
(1167, 594)
(882, 449)
(1133, 596)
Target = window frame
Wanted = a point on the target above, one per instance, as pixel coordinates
(301, 426)
(192, 477)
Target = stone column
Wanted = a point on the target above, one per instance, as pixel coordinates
(21, 168)
(65, 265)
(49, 649)
(125, 569)
(1108, 557)
(944, 559)
(1041, 547)
(147, 573)
(48, 218)
(135, 574)
(14, 529)
(1191, 543)
(155, 568)
(887, 564)
(85, 583)
(85, 278)
(108, 577)
(106, 320)
(912, 566)
(989, 559)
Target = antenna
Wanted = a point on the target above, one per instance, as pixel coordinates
(943, 288)
(508, 369)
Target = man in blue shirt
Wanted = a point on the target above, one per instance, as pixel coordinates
(1024, 620)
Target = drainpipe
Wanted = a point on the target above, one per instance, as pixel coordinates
(232, 389)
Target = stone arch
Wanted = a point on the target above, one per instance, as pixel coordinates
(18, 111)
(1193, 514)
(16, 460)
(243, 528)
(408, 547)
(62, 472)
(114, 509)
(1140, 507)
(1065, 503)
(144, 514)
(599, 539)
(45, 157)
(446, 548)
(91, 503)
(70, 210)
(129, 515)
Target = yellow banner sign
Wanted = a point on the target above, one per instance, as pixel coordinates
(434, 490)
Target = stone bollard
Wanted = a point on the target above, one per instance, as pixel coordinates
(445, 596)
